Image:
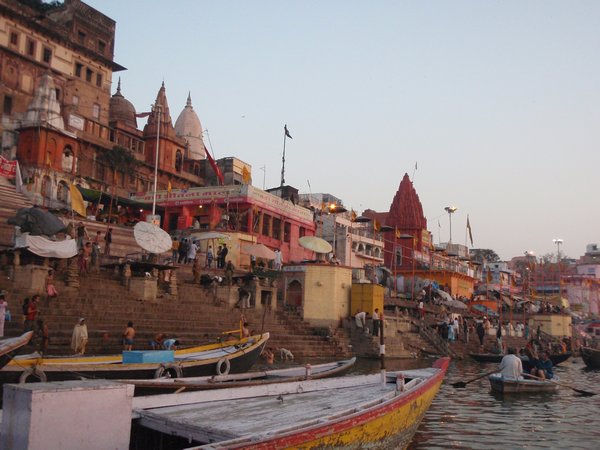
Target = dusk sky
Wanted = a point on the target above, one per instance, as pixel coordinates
(498, 102)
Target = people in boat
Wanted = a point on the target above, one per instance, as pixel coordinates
(511, 366)
(543, 368)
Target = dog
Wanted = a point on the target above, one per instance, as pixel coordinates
(285, 354)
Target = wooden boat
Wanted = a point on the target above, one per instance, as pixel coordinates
(10, 346)
(232, 356)
(512, 386)
(308, 372)
(353, 412)
(591, 357)
(556, 358)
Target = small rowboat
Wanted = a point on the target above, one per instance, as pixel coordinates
(232, 356)
(308, 372)
(10, 346)
(353, 412)
(512, 386)
(591, 357)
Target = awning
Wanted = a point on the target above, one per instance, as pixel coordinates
(44, 247)
(95, 196)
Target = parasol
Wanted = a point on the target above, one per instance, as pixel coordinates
(258, 250)
(315, 244)
(152, 238)
(37, 221)
(362, 219)
(201, 236)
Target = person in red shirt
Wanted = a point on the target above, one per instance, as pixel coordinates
(32, 311)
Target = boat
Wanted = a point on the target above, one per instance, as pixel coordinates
(511, 386)
(10, 346)
(298, 373)
(378, 411)
(231, 356)
(556, 358)
(591, 357)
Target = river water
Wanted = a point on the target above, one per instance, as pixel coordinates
(474, 418)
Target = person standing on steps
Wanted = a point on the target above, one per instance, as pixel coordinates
(82, 235)
(224, 252)
(32, 311)
(79, 338)
(128, 336)
(107, 242)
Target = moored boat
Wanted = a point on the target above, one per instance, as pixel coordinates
(556, 358)
(591, 357)
(10, 346)
(353, 412)
(232, 356)
(298, 373)
(512, 386)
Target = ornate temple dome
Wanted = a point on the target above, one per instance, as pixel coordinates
(121, 109)
(188, 127)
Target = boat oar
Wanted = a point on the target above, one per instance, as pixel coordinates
(579, 391)
(462, 384)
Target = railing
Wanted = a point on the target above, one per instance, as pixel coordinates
(434, 339)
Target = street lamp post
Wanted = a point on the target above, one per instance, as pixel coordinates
(558, 243)
(450, 210)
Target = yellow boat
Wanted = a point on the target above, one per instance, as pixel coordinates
(353, 412)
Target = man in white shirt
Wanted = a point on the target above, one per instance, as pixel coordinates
(511, 366)
(360, 318)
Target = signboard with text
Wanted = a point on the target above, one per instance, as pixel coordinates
(8, 168)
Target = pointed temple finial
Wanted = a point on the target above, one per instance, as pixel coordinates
(189, 99)
(119, 87)
(163, 83)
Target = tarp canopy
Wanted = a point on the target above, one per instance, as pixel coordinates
(95, 196)
(42, 246)
(449, 301)
(37, 222)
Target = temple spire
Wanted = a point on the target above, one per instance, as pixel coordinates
(119, 87)
(189, 99)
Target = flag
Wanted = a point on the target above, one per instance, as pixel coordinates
(397, 233)
(376, 225)
(169, 187)
(470, 232)
(245, 175)
(48, 160)
(143, 114)
(77, 200)
(213, 164)
(287, 133)
(353, 215)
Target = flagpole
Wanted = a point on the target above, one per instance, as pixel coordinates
(158, 110)
(283, 160)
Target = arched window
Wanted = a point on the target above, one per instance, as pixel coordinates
(67, 159)
(197, 170)
(178, 161)
(62, 192)
(294, 294)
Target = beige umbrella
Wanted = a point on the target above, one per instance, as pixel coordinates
(315, 244)
(258, 250)
(152, 238)
(201, 236)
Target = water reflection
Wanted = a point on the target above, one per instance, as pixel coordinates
(474, 418)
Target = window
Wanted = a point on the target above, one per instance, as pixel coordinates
(14, 39)
(276, 228)
(57, 93)
(266, 225)
(88, 75)
(78, 69)
(178, 161)
(75, 101)
(67, 159)
(96, 111)
(62, 192)
(101, 46)
(47, 55)
(99, 79)
(30, 47)
(81, 37)
(287, 232)
(302, 232)
(8, 104)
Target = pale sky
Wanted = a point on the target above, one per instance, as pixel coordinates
(497, 101)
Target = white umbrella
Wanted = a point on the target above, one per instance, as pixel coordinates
(152, 238)
(315, 244)
(201, 236)
(258, 250)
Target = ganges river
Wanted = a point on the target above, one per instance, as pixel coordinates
(474, 418)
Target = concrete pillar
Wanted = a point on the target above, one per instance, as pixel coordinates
(70, 415)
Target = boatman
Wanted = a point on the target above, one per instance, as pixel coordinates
(511, 366)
